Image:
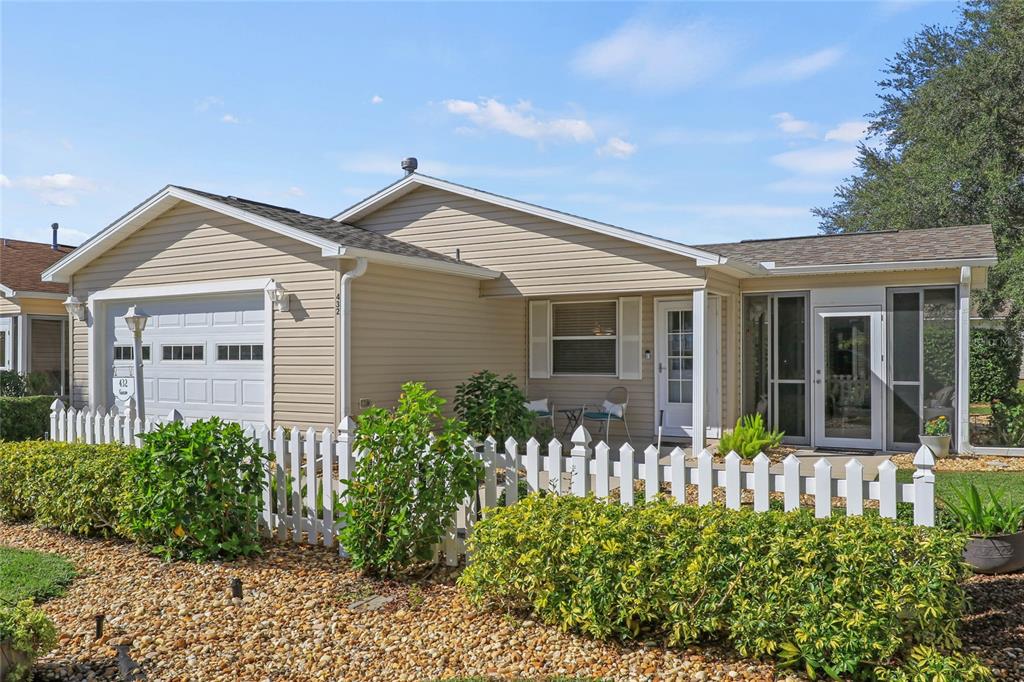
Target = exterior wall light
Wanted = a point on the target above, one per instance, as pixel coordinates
(278, 296)
(75, 308)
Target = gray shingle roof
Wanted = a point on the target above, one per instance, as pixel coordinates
(936, 243)
(325, 228)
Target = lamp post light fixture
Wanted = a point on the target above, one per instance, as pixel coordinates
(278, 296)
(75, 308)
(136, 321)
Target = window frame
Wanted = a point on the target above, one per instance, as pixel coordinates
(552, 338)
(122, 361)
(193, 360)
(250, 344)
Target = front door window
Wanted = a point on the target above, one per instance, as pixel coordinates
(848, 384)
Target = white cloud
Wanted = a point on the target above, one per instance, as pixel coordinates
(376, 99)
(649, 56)
(296, 191)
(794, 68)
(849, 131)
(520, 120)
(208, 102)
(791, 125)
(4, 181)
(817, 160)
(617, 147)
(57, 189)
(229, 118)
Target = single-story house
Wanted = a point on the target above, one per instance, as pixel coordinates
(265, 314)
(33, 321)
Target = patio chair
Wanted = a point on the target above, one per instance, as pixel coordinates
(612, 409)
(542, 408)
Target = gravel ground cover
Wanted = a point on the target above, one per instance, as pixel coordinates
(980, 463)
(994, 631)
(293, 624)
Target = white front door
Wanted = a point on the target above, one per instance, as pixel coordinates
(848, 377)
(6, 343)
(675, 364)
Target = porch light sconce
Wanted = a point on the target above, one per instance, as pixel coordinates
(75, 308)
(279, 297)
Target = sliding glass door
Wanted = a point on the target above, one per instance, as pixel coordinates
(775, 357)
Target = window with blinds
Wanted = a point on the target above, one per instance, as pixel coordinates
(584, 337)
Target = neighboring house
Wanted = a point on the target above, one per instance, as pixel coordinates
(33, 322)
(264, 314)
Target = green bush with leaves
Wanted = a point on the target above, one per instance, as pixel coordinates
(992, 514)
(493, 406)
(413, 471)
(838, 596)
(29, 633)
(1008, 419)
(749, 437)
(73, 487)
(196, 491)
(25, 417)
(995, 363)
(12, 384)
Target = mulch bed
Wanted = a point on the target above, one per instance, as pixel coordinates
(995, 629)
(294, 623)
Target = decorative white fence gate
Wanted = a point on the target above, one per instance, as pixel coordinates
(304, 482)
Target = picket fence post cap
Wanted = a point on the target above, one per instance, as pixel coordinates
(651, 450)
(705, 454)
(56, 405)
(791, 459)
(347, 424)
(533, 442)
(490, 440)
(174, 416)
(733, 457)
(925, 458)
(887, 465)
(626, 448)
(511, 444)
(822, 465)
(554, 443)
(581, 436)
(854, 464)
(761, 458)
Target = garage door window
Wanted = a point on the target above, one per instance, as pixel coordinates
(183, 352)
(243, 351)
(126, 353)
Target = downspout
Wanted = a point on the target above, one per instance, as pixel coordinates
(345, 337)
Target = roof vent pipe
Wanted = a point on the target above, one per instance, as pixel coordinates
(55, 226)
(410, 164)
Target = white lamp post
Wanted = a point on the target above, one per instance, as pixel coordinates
(136, 320)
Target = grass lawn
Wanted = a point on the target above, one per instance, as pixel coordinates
(32, 575)
(1010, 483)
(986, 408)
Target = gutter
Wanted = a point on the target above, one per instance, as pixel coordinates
(345, 337)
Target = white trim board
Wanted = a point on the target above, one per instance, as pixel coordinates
(170, 196)
(414, 180)
(98, 301)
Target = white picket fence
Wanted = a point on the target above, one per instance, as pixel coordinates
(303, 484)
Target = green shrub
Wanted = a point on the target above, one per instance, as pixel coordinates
(196, 491)
(1008, 419)
(997, 514)
(932, 665)
(29, 632)
(749, 437)
(493, 406)
(12, 384)
(995, 363)
(23, 418)
(414, 470)
(837, 596)
(74, 487)
(25, 574)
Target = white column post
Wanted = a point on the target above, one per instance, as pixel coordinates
(23, 344)
(963, 364)
(140, 397)
(700, 306)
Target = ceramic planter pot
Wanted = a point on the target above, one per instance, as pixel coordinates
(939, 445)
(9, 659)
(996, 553)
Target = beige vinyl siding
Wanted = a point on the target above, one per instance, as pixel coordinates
(853, 279)
(8, 307)
(413, 325)
(188, 244)
(538, 257)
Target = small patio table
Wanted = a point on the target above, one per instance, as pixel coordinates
(572, 415)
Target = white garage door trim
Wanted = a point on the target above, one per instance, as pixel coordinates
(99, 372)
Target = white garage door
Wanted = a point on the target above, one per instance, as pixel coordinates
(202, 356)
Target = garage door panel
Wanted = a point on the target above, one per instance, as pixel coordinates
(231, 388)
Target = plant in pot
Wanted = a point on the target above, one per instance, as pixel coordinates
(936, 436)
(995, 526)
(25, 634)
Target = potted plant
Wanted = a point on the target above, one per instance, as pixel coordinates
(997, 541)
(936, 436)
(25, 635)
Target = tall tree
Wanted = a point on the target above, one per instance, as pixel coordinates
(950, 150)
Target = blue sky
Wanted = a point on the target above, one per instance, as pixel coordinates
(698, 122)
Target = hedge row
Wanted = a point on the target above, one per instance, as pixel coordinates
(861, 597)
(22, 418)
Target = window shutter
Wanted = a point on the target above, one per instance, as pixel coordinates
(630, 338)
(540, 339)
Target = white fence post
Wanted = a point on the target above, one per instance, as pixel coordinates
(887, 489)
(311, 517)
(580, 462)
(602, 470)
(854, 488)
(924, 487)
(822, 489)
(533, 465)
(762, 482)
(705, 477)
(678, 460)
(652, 473)
(56, 407)
(626, 474)
(511, 471)
(263, 443)
(490, 453)
(295, 466)
(733, 483)
(174, 416)
(281, 489)
(555, 466)
(327, 473)
(791, 483)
